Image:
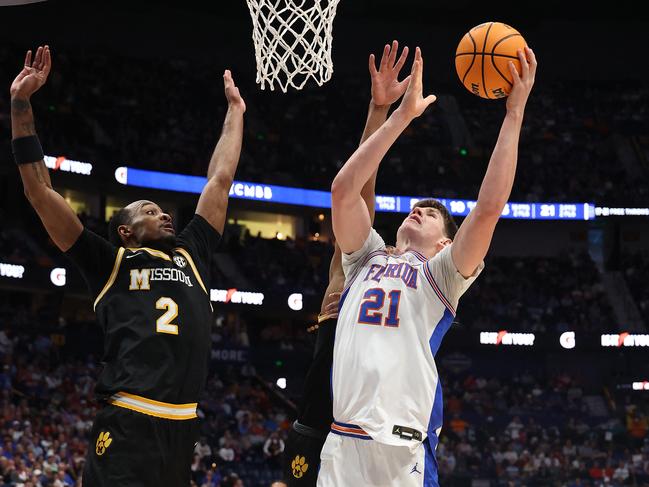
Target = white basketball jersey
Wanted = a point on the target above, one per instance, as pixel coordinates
(394, 312)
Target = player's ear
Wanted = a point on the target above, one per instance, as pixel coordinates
(124, 231)
(443, 242)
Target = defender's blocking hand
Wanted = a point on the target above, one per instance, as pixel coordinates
(33, 75)
(386, 87)
(232, 92)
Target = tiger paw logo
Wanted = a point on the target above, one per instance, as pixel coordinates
(103, 442)
(299, 466)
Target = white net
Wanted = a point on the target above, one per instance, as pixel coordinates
(292, 41)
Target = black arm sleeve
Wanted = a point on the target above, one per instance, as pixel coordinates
(200, 239)
(95, 258)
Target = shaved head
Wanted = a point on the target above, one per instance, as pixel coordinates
(142, 223)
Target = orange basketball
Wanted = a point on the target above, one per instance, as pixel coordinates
(482, 59)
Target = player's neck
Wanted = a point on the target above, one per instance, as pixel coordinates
(165, 245)
(408, 245)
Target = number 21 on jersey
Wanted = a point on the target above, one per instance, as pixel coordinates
(375, 311)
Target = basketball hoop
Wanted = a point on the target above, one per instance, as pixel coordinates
(292, 41)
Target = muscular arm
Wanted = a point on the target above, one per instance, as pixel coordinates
(60, 221)
(351, 218)
(376, 116)
(472, 241)
(213, 202)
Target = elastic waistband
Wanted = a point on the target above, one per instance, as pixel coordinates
(308, 431)
(153, 408)
(351, 430)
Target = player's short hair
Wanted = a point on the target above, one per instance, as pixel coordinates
(450, 227)
(120, 217)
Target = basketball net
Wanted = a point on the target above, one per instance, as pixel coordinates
(292, 41)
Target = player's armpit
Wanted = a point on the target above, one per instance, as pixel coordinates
(473, 239)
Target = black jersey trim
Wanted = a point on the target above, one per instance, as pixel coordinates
(153, 252)
(113, 275)
(194, 268)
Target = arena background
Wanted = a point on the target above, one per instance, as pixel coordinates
(559, 399)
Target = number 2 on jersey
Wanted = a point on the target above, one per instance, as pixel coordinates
(164, 323)
(371, 312)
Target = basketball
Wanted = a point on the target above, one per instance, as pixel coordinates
(482, 59)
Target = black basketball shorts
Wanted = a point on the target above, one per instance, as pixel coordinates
(132, 449)
(302, 456)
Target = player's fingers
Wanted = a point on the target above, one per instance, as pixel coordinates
(47, 61)
(332, 308)
(384, 57)
(227, 78)
(402, 59)
(514, 71)
(372, 65)
(335, 295)
(38, 57)
(28, 59)
(403, 85)
(430, 99)
(525, 66)
(393, 53)
(532, 59)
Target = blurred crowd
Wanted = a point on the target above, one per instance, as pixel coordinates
(635, 267)
(526, 428)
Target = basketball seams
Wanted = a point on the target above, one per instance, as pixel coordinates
(486, 36)
(493, 62)
(503, 39)
(493, 77)
(493, 55)
(472, 60)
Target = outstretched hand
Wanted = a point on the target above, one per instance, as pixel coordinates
(522, 83)
(232, 92)
(414, 103)
(33, 75)
(386, 87)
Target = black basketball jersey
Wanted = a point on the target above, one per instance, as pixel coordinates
(316, 406)
(155, 312)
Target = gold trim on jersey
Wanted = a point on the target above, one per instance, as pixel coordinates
(193, 266)
(113, 275)
(153, 252)
(158, 409)
(322, 318)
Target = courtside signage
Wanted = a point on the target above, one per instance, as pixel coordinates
(237, 297)
(506, 338)
(625, 340)
(11, 270)
(322, 199)
(68, 165)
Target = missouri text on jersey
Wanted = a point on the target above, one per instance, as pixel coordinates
(141, 278)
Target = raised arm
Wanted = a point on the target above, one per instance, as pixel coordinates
(386, 89)
(213, 202)
(60, 221)
(351, 218)
(474, 235)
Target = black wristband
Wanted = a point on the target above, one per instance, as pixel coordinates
(27, 149)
